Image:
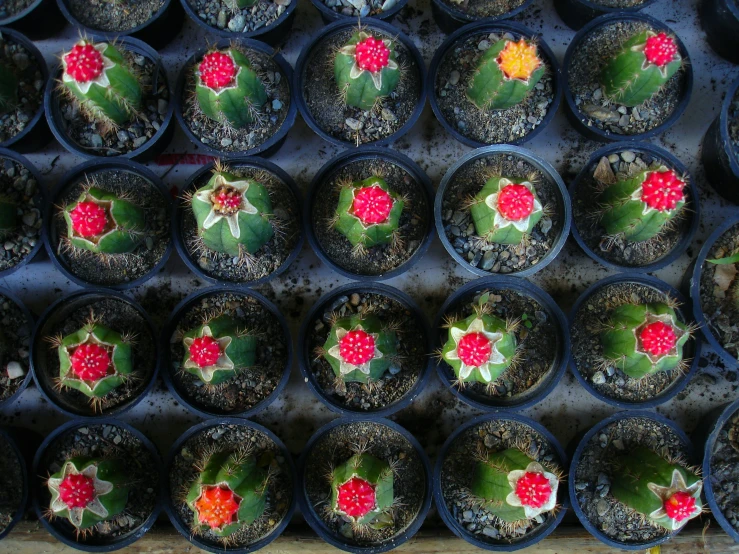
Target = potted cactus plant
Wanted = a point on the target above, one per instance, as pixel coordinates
(631, 483)
(363, 349)
(500, 209)
(231, 486)
(239, 221)
(634, 207)
(368, 213)
(377, 74)
(110, 99)
(627, 76)
(494, 83)
(633, 342)
(450, 15)
(15, 368)
(14, 481)
(97, 484)
(37, 19)
(109, 224)
(499, 482)
(577, 13)
(364, 484)
(720, 148)
(333, 10)
(228, 352)
(94, 353)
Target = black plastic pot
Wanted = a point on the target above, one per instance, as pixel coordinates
(338, 27)
(329, 16)
(483, 27)
(40, 200)
(498, 546)
(36, 134)
(449, 20)
(335, 164)
(15, 451)
(64, 531)
(157, 32)
(692, 206)
(580, 121)
(718, 155)
(40, 352)
(309, 511)
(181, 207)
(592, 529)
(564, 207)
(270, 146)
(273, 34)
(7, 294)
(691, 350)
(70, 179)
(465, 296)
(167, 361)
(184, 528)
(578, 13)
(147, 151)
(38, 21)
(720, 21)
(305, 356)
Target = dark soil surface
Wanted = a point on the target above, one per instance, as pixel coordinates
(733, 123)
(11, 483)
(725, 471)
(587, 351)
(415, 219)
(460, 230)
(248, 387)
(224, 138)
(593, 476)
(11, 7)
(591, 55)
(617, 249)
(115, 269)
(488, 126)
(336, 447)
(272, 255)
(222, 15)
(118, 15)
(351, 124)
(360, 8)
(619, 3)
(14, 345)
(228, 438)
(18, 185)
(483, 8)
(107, 442)
(27, 70)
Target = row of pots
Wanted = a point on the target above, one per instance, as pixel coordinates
(305, 487)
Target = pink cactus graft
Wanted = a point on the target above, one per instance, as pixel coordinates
(371, 54)
(205, 351)
(217, 70)
(356, 497)
(89, 219)
(77, 491)
(658, 338)
(357, 347)
(662, 190)
(372, 205)
(90, 362)
(533, 489)
(660, 49)
(680, 506)
(474, 349)
(515, 202)
(83, 63)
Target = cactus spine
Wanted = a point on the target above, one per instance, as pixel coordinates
(504, 211)
(362, 491)
(506, 73)
(8, 89)
(365, 70)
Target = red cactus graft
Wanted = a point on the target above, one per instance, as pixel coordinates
(77, 491)
(533, 489)
(372, 205)
(356, 497)
(371, 54)
(474, 349)
(660, 49)
(89, 219)
(515, 202)
(217, 70)
(217, 506)
(205, 351)
(83, 62)
(657, 338)
(662, 190)
(357, 347)
(680, 506)
(90, 362)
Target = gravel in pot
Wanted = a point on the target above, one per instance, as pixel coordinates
(14, 481)
(15, 344)
(227, 352)
(512, 450)
(379, 463)
(720, 148)
(98, 484)
(109, 224)
(577, 13)
(331, 10)
(647, 231)
(37, 19)
(349, 379)
(369, 244)
(618, 457)
(633, 341)
(257, 492)
(94, 353)
(450, 15)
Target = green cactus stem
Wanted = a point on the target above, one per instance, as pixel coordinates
(365, 70)
(8, 89)
(362, 491)
(666, 493)
(504, 212)
(86, 491)
(641, 67)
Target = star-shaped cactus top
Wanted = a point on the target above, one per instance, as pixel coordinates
(680, 502)
(519, 60)
(659, 50)
(513, 204)
(217, 506)
(86, 64)
(227, 199)
(355, 350)
(207, 353)
(534, 490)
(475, 348)
(76, 491)
(661, 190)
(372, 55)
(658, 336)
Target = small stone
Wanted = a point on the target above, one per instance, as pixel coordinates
(353, 123)
(601, 114)
(598, 94)
(139, 142)
(624, 121)
(96, 141)
(162, 106)
(622, 110)
(546, 225)
(364, 12)
(117, 439)
(221, 21)
(628, 156)
(30, 218)
(604, 172)
(15, 370)
(467, 515)
(601, 507)
(237, 24)
(454, 77)
(613, 158)
(488, 260)
(276, 104)
(491, 532)
(354, 299)
(225, 141)
(598, 378)
(483, 45)
(387, 115)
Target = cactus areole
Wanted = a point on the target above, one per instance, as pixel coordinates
(504, 211)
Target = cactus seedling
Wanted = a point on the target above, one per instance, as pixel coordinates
(8, 89)
(640, 207)
(642, 339)
(227, 89)
(362, 491)
(505, 74)
(665, 493)
(216, 350)
(365, 70)
(98, 76)
(86, 491)
(641, 67)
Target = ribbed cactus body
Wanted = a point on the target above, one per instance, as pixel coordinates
(8, 89)
(362, 491)
(360, 349)
(8, 215)
(505, 211)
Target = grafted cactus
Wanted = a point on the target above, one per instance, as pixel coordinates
(86, 491)
(641, 67)
(365, 70)
(8, 89)
(362, 491)
(216, 350)
(506, 73)
(505, 211)
(642, 339)
(664, 492)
